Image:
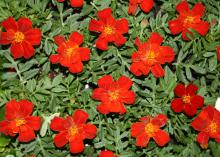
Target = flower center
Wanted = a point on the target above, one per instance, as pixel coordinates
(150, 129)
(71, 50)
(189, 20)
(150, 55)
(19, 37)
(19, 122)
(186, 99)
(114, 95)
(108, 30)
(73, 131)
(213, 127)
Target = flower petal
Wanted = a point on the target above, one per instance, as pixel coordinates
(155, 38)
(97, 93)
(105, 82)
(6, 37)
(198, 9)
(95, 26)
(202, 28)
(180, 90)
(166, 54)
(84, 53)
(197, 101)
(33, 36)
(59, 39)
(76, 3)
(142, 140)
(160, 120)
(182, 7)
(124, 82)
(34, 122)
(10, 23)
(17, 50)
(175, 26)
(132, 8)
(157, 70)
(105, 14)
(80, 116)
(103, 109)
(76, 38)
(147, 5)
(102, 44)
(177, 105)
(128, 97)
(203, 139)
(161, 138)
(199, 123)
(120, 40)
(12, 108)
(60, 139)
(122, 26)
(26, 107)
(28, 50)
(54, 58)
(137, 129)
(76, 67)
(191, 89)
(76, 146)
(24, 24)
(90, 131)
(138, 69)
(57, 124)
(190, 110)
(26, 134)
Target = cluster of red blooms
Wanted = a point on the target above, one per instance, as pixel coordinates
(112, 94)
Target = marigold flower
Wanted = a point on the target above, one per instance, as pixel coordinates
(189, 19)
(107, 153)
(74, 3)
(73, 130)
(113, 94)
(150, 56)
(145, 5)
(69, 53)
(188, 102)
(150, 127)
(208, 123)
(218, 53)
(18, 120)
(21, 36)
(111, 30)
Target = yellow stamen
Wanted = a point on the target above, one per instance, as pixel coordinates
(108, 30)
(186, 99)
(114, 95)
(72, 50)
(19, 122)
(150, 129)
(19, 37)
(189, 20)
(213, 128)
(150, 55)
(73, 131)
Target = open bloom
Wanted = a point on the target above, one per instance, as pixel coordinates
(111, 30)
(150, 127)
(150, 56)
(113, 94)
(21, 36)
(218, 53)
(189, 19)
(69, 53)
(188, 102)
(208, 123)
(18, 120)
(74, 3)
(73, 130)
(106, 153)
(145, 5)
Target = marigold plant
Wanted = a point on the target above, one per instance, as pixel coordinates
(109, 78)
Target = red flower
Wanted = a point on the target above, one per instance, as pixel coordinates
(107, 153)
(113, 94)
(208, 123)
(150, 127)
(111, 30)
(145, 5)
(189, 19)
(73, 130)
(74, 3)
(218, 53)
(69, 53)
(150, 56)
(21, 36)
(188, 102)
(18, 120)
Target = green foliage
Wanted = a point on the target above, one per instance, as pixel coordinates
(54, 91)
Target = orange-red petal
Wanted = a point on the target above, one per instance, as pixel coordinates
(24, 24)
(147, 5)
(33, 36)
(90, 131)
(57, 124)
(160, 120)
(80, 116)
(137, 129)
(60, 139)
(34, 122)
(157, 70)
(10, 23)
(76, 67)
(76, 3)
(161, 137)
(105, 82)
(26, 134)
(76, 38)
(84, 53)
(177, 105)
(182, 7)
(76, 147)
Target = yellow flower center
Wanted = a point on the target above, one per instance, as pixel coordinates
(186, 99)
(19, 37)
(108, 30)
(189, 20)
(19, 122)
(150, 129)
(71, 51)
(114, 95)
(150, 55)
(73, 131)
(213, 128)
